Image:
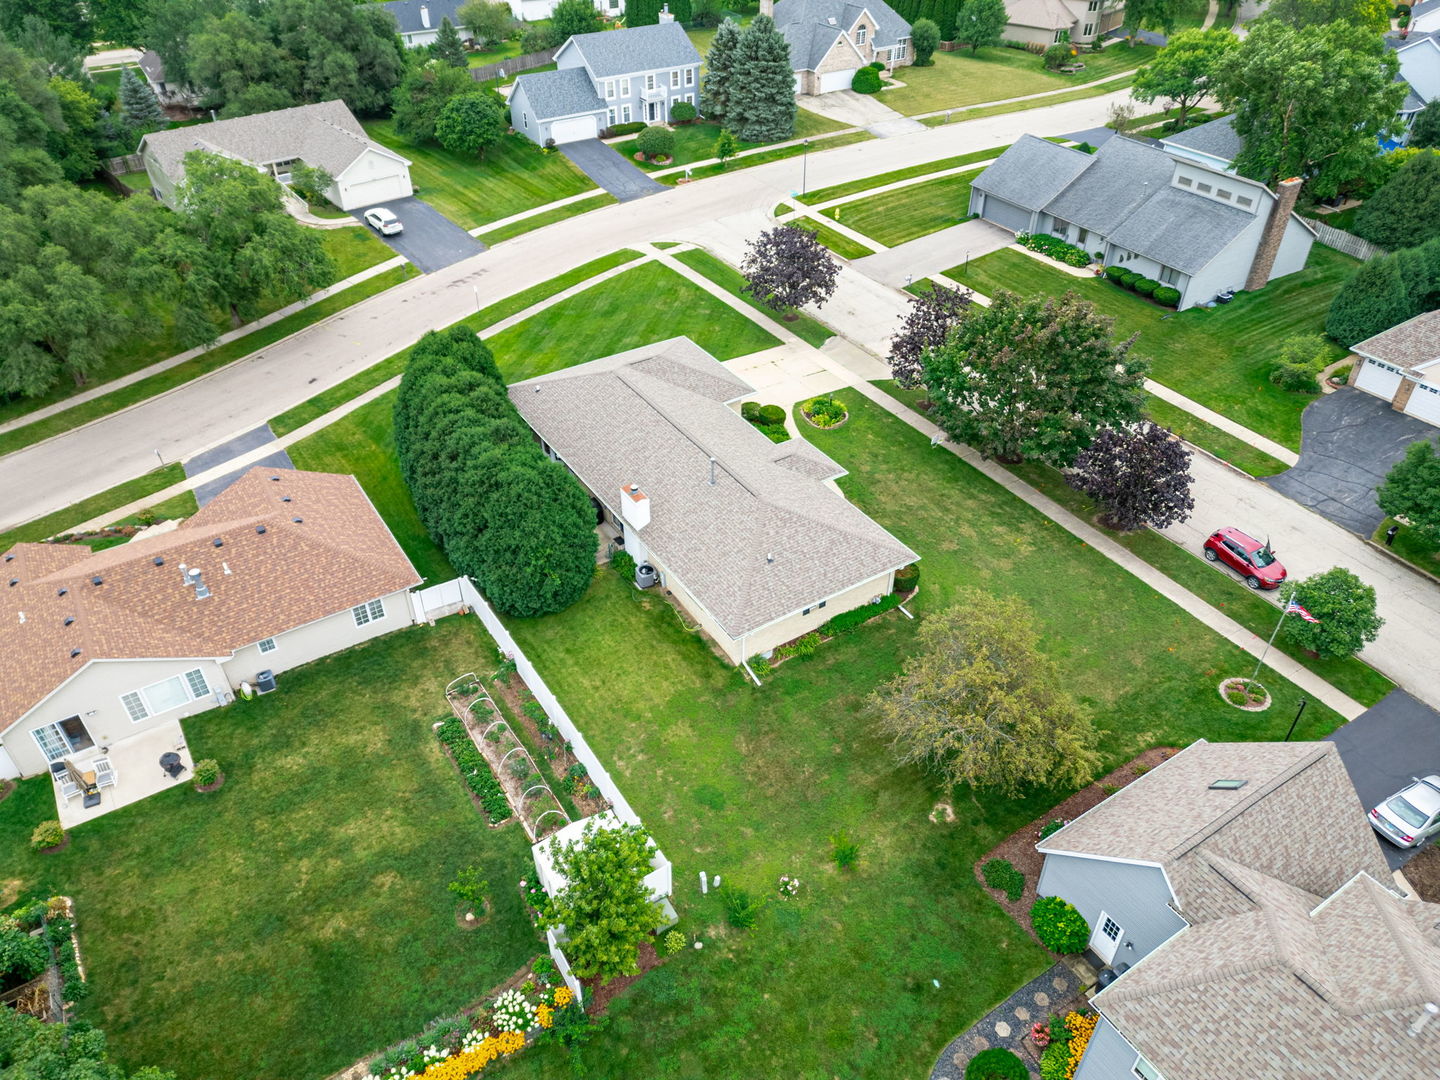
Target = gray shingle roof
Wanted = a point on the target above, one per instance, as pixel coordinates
(1032, 172)
(811, 26)
(1041, 14)
(766, 539)
(324, 136)
(1409, 344)
(1179, 229)
(560, 93)
(1119, 177)
(407, 14)
(1217, 138)
(611, 53)
(1425, 8)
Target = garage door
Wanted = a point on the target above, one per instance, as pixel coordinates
(380, 189)
(1005, 214)
(1382, 380)
(836, 80)
(574, 129)
(1424, 403)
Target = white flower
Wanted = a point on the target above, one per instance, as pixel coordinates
(699, 944)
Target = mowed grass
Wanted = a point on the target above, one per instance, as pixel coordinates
(514, 175)
(42, 528)
(1221, 356)
(908, 213)
(855, 187)
(835, 240)
(354, 248)
(298, 918)
(751, 783)
(547, 217)
(957, 79)
(809, 330)
(696, 141)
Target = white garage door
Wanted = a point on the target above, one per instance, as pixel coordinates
(574, 129)
(836, 80)
(1382, 380)
(1005, 214)
(380, 189)
(1424, 403)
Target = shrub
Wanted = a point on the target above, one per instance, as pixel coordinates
(627, 129)
(997, 1063)
(1054, 247)
(682, 112)
(1050, 828)
(1114, 273)
(537, 39)
(1057, 56)
(824, 411)
(1166, 295)
(772, 414)
(623, 563)
(475, 769)
(22, 957)
(741, 909)
(847, 621)
(805, 645)
(656, 141)
(674, 942)
(776, 433)
(1055, 1062)
(47, 834)
(1298, 361)
(844, 852)
(1146, 286)
(1001, 874)
(1299, 378)
(1129, 279)
(907, 578)
(1059, 926)
(469, 887)
(1086, 148)
(206, 772)
(750, 410)
(866, 81)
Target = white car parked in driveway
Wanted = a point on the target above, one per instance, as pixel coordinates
(383, 221)
(1410, 816)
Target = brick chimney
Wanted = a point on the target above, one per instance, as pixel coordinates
(767, 7)
(1270, 239)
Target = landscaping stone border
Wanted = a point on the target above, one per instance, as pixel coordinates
(1056, 990)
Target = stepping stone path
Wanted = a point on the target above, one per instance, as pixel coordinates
(1008, 1024)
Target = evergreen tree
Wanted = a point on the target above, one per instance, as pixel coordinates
(1426, 129)
(924, 38)
(572, 17)
(715, 87)
(449, 49)
(642, 12)
(763, 94)
(1406, 211)
(140, 108)
(1371, 301)
(946, 15)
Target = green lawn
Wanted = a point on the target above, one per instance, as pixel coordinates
(894, 217)
(354, 249)
(493, 55)
(1410, 547)
(1220, 357)
(728, 278)
(764, 157)
(835, 240)
(549, 217)
(751, 783)
(696, 142)
(640, 306)
(136, 181)
(957, 79)
(1220, 443)
(299, 917)
(977, 112)
(855, 187)
(514, 175)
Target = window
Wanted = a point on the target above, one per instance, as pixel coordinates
(689, 76)
(1089, 30)
(524, 119)
(1110, 928)
(1057, 37)
(860, 32)
(1185, 181)
(374, 611)
(675, 79)
(1204, 189)
(1222, 193)
(1094, 5)
(625, 88)
(805, 612)
(610, 90)
(822, 603)
(1244, 200)
(610, 122)
(898, 51)
(689, 99)
(1145, 1071)
(650, 82)
(1169, 275)
(625, 114)
(165, 695)
(268, 645)
(614, 5)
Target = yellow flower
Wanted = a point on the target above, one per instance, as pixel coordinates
(563, 996)
(544, 1015)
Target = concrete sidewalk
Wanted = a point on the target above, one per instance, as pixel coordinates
(929, 255)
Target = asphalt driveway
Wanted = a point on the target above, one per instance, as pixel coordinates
(431, 240)
(1383, 748)
(1349, 441)
(610, 169)
(226, 451)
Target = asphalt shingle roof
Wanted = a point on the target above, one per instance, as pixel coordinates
(767, 538)
(560, 93)
(407, 14)
(339, 554)
(1042, 14)
(1217, 138)
(1032, 172)
(611, 53)
(1410, 344)
(812, 26)
(1179, 229)
(1118, 178)
(325, 136)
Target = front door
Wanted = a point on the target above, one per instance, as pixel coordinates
(1106, 938)
(62, 739)
(652, 111)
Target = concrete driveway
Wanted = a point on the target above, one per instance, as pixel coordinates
(1349, 441)
(611, 169)
(1386, 746)
(859, 110)
(431, 240)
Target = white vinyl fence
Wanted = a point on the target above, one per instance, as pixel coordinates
(552, 942)
(1345, 242)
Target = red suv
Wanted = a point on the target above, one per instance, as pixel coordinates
(1248, 557)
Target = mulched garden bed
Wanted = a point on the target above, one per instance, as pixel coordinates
(1019, 847)
(1423, 873)
(598, 997)
(554, 748)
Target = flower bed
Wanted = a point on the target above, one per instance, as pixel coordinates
(475, 769)
(512, 765)
(570, 774)
(1055, 248)
(824, 411)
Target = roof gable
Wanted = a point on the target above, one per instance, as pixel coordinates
(811, 26)
(612, 53)
(565, 92)
(1032, 172)
(411, 15)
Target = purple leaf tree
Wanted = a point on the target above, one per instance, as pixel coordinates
(1140, 477)
(786, 268)
(923, 327)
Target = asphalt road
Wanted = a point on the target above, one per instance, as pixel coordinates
(431, 240)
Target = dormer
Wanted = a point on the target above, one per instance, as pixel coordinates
(1218, 187)
(862, 30)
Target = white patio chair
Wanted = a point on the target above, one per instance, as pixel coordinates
(105, 774)
(68, 789)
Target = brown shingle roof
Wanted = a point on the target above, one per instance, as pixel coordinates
(337, 555)
(1413, 343)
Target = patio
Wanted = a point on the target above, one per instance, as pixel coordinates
(137, 772)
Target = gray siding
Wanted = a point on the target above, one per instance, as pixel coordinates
(1005, 214)
(1136, 897)
(1107, 1056)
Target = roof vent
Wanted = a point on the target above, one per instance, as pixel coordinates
(260, 530)
(769, 558)
(284, 498)
(14, 581)
(297, 521)
(275, 478)
(201, 589)
(97, 580)
(74, 653)
(10, 558)
(217, 542)
(159, 560)
(1227, 785)
(61, 592)
(69, 619)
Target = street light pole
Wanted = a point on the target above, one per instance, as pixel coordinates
(1303, 703)
(804, 165)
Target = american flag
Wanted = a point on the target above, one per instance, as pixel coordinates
(1292, 608)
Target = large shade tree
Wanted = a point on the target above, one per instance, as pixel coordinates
(978, 703)
(1033, 377)
(1343, 607)
(470, 122)
(1412, 490)
(1139, 476)
(1372, 15)
(423, 94)
(1181, 73)
(1406, 211)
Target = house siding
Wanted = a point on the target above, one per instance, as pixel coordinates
(1107, 1055)
(1136, 897)
(356, 185)
(161, 186)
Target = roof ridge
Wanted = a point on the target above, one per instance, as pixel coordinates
(1383, 902)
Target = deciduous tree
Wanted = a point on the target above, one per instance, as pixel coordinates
(1139, 477)
(1406, 211)
(605, 906)
(1151, 15)
(924, 40)
(786, 267)
(725, 146)
(34, 1050)
(489, 21)
(924, 326)
(424, 93)
(1412, 490)
(1373, 15)
(449, 49)
(762, 93)
(1181, 72)
(310, 182)
(1033, 378)
(470, 122)
(978, 703)
(1309, 102)
(1345, 608)
(1425, 132)
(61, 53)
(981, 24)
(140, 110)
(719, 79)
(572, 17)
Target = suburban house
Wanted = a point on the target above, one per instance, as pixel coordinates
(1419, 56)
(1402, 365)
(418, 21)
(1242, 900)
(1215, 144)
(1194, 228)
(1425, 18)
(608, 78)
(324, 136)
(830, 40)
(153, 68)
(1046, 22)
(752, 538)
(109, 651)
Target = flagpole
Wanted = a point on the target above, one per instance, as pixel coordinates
(1284, 605)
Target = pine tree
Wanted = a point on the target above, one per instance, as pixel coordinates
(763, 99)
(142, 112)
(642, 12)
(715, 88)
(449, 49)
